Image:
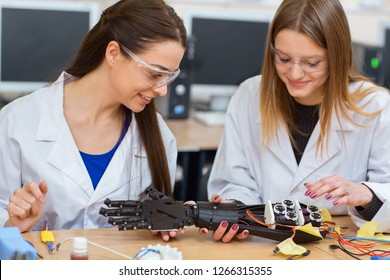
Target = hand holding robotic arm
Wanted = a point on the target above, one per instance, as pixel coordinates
(163, 213)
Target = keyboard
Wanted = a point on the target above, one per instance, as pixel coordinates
(210, 117)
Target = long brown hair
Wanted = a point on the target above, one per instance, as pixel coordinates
(137, 24)
(325, 22)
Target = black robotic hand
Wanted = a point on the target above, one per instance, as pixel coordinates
(158, 212)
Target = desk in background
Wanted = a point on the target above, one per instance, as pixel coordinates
(191, 244)
(197, 144)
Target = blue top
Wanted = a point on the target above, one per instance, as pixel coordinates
(97, 164)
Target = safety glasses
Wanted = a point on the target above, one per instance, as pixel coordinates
(157, 77)
(307, 64)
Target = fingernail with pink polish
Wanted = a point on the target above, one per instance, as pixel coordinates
(307, 193)
(235, 227)
(224, 224)
(328, 196)
(313, 195)
(335, 203)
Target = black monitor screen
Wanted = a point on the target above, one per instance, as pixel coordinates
(227, 51)
(38, 43)
(386, 59)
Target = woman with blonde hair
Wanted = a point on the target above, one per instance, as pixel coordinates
(310, 127)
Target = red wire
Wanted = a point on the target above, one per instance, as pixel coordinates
(363, 248)
(250, 214)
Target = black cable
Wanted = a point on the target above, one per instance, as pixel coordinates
(373, 251)
(294, 257)
(334, 246)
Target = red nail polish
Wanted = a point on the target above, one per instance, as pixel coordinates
(235, 227)
(335, 203)
(328, 196)
(224, 224)
(307, 192)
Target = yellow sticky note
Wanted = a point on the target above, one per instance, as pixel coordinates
(367, 229)
(326, 217)
(382, 236)
(288, 247)
(308, 228)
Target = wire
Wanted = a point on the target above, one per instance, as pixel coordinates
(350, 237)
(334, 246)
(294, 257)
(144, 252)
(94, 244)
(363, 248)
(250, 214)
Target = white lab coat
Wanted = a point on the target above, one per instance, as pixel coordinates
(246, 171)
(36, 144)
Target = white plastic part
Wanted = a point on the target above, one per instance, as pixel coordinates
(159, 252)
(298, 210)
(269, 213)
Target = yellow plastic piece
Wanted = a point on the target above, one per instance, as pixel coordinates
(337, 229)
(47, 236)
(288, 247)
(367, 230)
(382, 236)
(326, 217)
(308, 228)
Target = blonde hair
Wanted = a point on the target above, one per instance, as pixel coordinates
(325, 22)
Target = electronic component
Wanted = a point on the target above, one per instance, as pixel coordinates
(47, 237)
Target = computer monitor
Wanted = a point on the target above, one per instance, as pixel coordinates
(386, 54)
(38, 39)
(228, 48)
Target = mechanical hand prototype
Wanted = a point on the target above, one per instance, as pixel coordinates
(277, 221)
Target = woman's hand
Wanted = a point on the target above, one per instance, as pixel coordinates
(167, 235)
(223, 233)
(340, 190)
(27, 206)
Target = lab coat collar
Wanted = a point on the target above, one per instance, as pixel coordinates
(49, 127)
(310, 161)
(313, 159)
(64, 154)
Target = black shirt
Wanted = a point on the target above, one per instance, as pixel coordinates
(305, 119)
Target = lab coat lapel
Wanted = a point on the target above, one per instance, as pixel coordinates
(311, 160)
(66, 158)
(64, 154)
(282, 149)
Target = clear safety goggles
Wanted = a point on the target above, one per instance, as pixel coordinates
(157, 77)
(307, 64)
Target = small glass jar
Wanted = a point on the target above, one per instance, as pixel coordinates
(80, 249)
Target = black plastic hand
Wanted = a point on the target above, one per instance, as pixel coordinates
(159, 212)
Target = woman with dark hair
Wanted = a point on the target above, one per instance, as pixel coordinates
(94, 132)
(310, 128)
